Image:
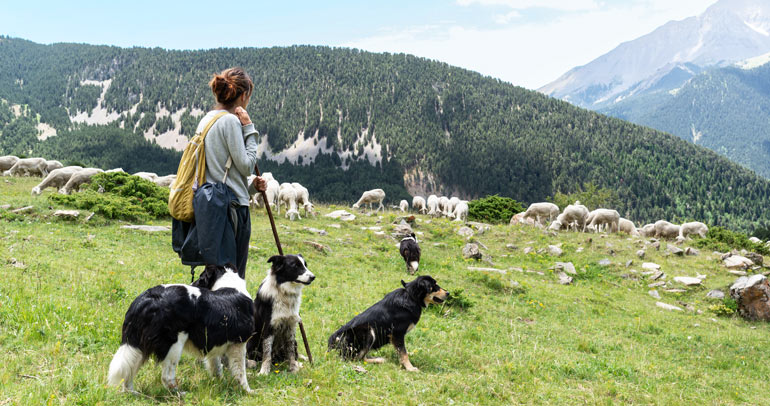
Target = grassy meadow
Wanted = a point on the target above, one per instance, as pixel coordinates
(525, 339)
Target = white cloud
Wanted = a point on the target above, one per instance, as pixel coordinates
(507, 17)
(532, 54)
(564, 5)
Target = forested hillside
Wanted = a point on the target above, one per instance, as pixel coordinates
(410, 122)
(725, 109)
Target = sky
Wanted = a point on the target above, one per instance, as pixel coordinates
(528, 43)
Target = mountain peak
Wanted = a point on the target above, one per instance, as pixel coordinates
(727, 32)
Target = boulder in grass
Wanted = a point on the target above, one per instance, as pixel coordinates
(757, 259)
(471, 250)
(567, 267)
(715, 294)
(564, 279)
(752, 294)
(650, 266)
(465, 231)
(640, 254)
(691, 251)
(737, 262)
(555, 251)
(688, 280)
(668, 306)
(676, 250)
(67, 214)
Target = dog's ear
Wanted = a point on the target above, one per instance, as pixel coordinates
(277, 261)
(206, 278)
(426, 285)
(403, 283)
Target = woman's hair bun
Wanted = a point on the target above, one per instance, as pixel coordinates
(230, 84)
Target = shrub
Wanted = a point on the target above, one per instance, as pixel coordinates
(118, 195)
(493, 209)
(723, 240)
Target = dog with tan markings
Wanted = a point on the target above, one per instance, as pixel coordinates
(388, 321)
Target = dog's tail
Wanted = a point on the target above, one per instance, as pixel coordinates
(124, 366)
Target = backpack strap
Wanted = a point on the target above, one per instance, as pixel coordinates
(204, 133)
(227, 167)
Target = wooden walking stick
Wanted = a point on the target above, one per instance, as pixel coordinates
(280, 251)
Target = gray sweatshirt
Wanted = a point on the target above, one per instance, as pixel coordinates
(228, 138)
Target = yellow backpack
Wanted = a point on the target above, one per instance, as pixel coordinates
(190, 174)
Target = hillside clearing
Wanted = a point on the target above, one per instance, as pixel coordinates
(526, 340)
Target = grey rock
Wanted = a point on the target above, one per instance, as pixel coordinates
(691, 251)
(654, 293)
(715, 294)
(579, 249)
(471, 250)
(335, 225)
(540, 251)
(316, 231)
(657, 275)
(511, 247)
(757, 259)
(68, 214)
(564, 279)
(23, 209)
(657, 284)
(640, 254)
(5, 207)
(656, 245)
(668, 306)
(465, 231)
(566, 267)
(651, 266)
(676, 250)
(554, 250)
(629, 263)
(150, 229)
(738, 273)
(343, 215)
(605, 262)
(737, 262)
(527, 250)
(687, 280)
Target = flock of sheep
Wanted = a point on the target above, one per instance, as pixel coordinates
(293, 195)
(577, 217)
(66, 179)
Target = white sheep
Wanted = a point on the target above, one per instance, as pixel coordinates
(648, 230)
(288, 195)
(271, 192)
(452, 204)
(303, 199)
(78, 179)
(369, 197)
(267, 176)
(693, 227)
(664, 229)
(443, 206)
(460, 212)
(164, 181)
(403, 206)
(147, 175)
(433, 205)
(7, 162)
(56, 179)
(28, 167)
(755, 240)
(600, 218)
(628, 227)
(51, 165)
(115, 170)
(418, 204)
(518, 218)
(541, 211)
(574, 216)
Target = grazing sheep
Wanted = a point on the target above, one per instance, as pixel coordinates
(115, 170)
(303, 199)
(518, 218)
(268, 176)
(452, 204)
(164, 181)
(418, 204)
(51, 165)
(371, 196)
(443, 206)
(628, 227)
(403, 206)
(271, 192)
(664, 229)
(601, 218)
(56, 179)
(693, 227)
(288, 195)
(574, 216)
(78, 179)
(28, 167)
(433, 205)
(648, 230)
(460, 212)
(755, 240)
(147, 176)
(410, 251)
(7, 162)
(541, 211)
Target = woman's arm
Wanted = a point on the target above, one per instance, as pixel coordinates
(242, 144)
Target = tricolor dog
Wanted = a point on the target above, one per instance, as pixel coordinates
(166, 320)
(388, 321)
(277, 312)
(410, 251)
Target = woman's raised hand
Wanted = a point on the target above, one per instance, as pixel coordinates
(242, 115)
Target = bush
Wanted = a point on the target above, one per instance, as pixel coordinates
(118, 195)
(493, 209)
(724, 240)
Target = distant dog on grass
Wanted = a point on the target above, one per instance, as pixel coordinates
(277, 313)
(388, 321)
(166, 320)
(410, 251)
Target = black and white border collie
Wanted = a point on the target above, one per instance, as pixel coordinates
(211, 320)
(388, 321)
(410, 251)
(277, 312)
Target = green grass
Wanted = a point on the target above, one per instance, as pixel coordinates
(524, 339)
